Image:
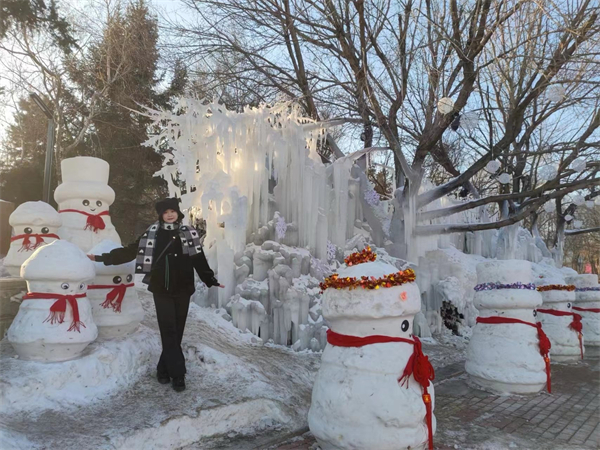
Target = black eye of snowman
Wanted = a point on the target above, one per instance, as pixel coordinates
(65, 286)
(98, 203)
(28, 230)
(404, 325)
(569, 305)
(45, 230)
(117, 280)
(129, 278)
(534, 313)
(86, 203)
(82, 286)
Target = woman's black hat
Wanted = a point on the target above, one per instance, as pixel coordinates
(168, 203)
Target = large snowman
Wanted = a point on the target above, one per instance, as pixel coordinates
(34, 224)
(54, 322)
(562, 325)
(587, 303)
(508, 351)
(373, 389)
(115, 304)
(83, 198)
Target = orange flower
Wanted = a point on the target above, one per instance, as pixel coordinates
(403, 296)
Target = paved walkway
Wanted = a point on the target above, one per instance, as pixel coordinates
(469, 418)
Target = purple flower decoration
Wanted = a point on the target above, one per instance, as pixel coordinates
(491, 286)
(586, 289)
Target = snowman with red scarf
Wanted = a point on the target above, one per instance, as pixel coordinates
(374, 388)
(116, 308)
(83, 198)
(34, 224)
(54, 322)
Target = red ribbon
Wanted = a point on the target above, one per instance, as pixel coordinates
(94, 221)
(576, 325)
(543, 339)
(39, 240)
(114, 298)
(594, 310)
(418, 366)
(59, 307)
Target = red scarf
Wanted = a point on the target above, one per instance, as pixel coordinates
(94, 221)
(594, 310)
(39, 240)
(114, 298)
(418, 365)
(59, 307)
(576, 325)
(543, 339)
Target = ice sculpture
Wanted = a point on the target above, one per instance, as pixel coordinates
(508, 350)
(83, 198)
(54, 322)
(34, 224)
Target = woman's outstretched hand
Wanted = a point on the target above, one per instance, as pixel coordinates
(221, 286)
(92, 257)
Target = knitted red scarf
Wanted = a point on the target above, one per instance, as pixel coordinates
(59, 307)
(114, 297)
(418, 365)
(543, 339)
(39, 240)
(94, 221)
(594, 310)
(576, 325)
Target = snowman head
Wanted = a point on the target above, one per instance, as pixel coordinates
(35, 218)
(115, 274)
(371, 298)
(59, 268)
(85, 185)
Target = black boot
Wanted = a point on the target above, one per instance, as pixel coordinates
(163, 378)
(179, 383)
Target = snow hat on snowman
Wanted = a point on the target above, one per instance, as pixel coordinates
(168, 203)
(34, 219)
(58, 261)
(84, 177)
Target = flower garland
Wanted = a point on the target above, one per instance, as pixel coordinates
(556, 287)
(387, 281)
(490, 286)
(586, 289)
(366, 255)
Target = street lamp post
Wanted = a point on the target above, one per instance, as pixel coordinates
(49, 145)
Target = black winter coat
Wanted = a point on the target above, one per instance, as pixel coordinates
(180, 278)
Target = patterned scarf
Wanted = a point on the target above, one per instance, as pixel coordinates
(190, 243)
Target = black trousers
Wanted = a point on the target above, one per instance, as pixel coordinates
(171, 312)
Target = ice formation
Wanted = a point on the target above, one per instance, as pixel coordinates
(559, 328)
(505, 357)
(587, 303)
(116, 308)
(34, 224)
(54, 322)
(357, 401)
(83, 198)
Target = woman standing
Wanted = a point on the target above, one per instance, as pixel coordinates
(167, 254)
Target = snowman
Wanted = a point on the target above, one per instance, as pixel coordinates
(373, 389)
(562, 325)
(116, 308)
(83, 198)
(587, 304)
(54, 322)
(34, 224)
(508, 351)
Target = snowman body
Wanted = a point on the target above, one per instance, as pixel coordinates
(59, 268)
(587, 296)
(34, 224)
(505, 357)
(565, 340)
(357, 401)
(116, 308)
(84, 198)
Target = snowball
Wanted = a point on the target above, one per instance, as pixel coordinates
(469, 120)
(578, 199)
(492, 166)
(589, 204)
(59, 260)
(547, 172)
(568, 217)
(550, 206)
(556, 93)
(504, 178)
(445, 105)
(577, 223)
(578, 165)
